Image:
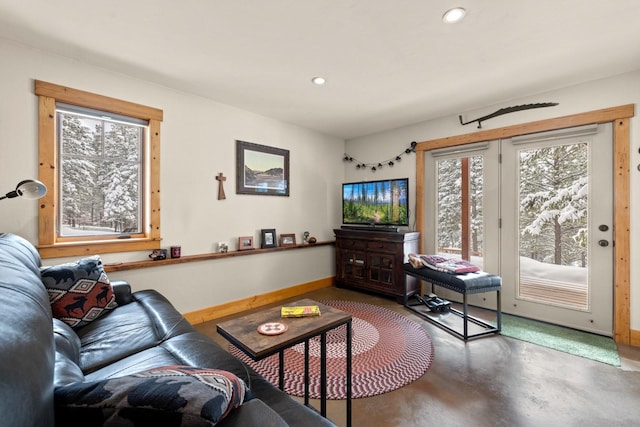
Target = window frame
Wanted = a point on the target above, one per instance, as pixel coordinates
(50, 244)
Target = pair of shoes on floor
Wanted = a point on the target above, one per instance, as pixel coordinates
(434, 303)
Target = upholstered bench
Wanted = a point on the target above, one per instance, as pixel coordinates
(465, 284)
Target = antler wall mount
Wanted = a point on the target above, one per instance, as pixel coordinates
(508, 110)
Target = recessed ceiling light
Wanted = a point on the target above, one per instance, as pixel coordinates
(319, 80)
(454, 15)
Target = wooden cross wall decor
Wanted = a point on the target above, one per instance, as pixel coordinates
(221, 178)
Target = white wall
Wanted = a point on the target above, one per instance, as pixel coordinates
(611, 92)
(198, 142)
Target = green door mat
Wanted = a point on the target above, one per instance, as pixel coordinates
(583, 344)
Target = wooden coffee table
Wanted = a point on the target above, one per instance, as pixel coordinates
(243, 333)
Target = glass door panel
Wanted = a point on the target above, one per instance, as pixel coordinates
(460, 208)
(539, 215)
(380, 268)
(553, 225)
(556, 247)
(461, 198)
(353, 263)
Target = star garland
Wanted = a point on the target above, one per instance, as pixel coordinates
(375, 166)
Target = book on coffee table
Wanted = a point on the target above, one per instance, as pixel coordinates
(300, 311)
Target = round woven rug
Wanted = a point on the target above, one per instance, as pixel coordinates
(389, 352)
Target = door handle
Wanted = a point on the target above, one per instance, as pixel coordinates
(603, 243)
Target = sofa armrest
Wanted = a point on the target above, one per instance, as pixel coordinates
(253, 413)
(122, 291)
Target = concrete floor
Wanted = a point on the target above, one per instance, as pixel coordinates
(494, 381)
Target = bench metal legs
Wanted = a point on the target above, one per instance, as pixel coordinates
(466, 318)
(487, 328)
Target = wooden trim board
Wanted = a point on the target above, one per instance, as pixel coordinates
(238, 306)
(635, 338)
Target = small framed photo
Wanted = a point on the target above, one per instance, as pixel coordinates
(268, 238)
(287, 239)
(245, 243)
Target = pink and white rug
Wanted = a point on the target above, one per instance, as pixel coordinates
(389, 352)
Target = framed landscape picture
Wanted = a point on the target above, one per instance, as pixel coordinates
(261, 169)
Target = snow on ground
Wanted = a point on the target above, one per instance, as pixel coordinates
(541, 270)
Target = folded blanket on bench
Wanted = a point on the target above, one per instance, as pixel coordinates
(441, 263)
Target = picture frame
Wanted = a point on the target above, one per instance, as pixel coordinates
(245, 243)
(261, 170)
(268, 238)
(287, 240)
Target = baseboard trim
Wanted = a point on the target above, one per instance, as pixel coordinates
(234, 307)
(635, 338)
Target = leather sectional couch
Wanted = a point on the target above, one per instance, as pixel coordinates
(47, 366)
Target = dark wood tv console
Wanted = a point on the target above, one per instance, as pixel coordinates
(374, 261)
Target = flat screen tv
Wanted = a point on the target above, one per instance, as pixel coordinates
(373, 203)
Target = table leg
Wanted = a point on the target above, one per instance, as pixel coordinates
(323, 374)
(306, 372)
(281, 370)
(499, 312)
(349, 373)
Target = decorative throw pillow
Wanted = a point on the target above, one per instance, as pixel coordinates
(166, 396)
(79, 292)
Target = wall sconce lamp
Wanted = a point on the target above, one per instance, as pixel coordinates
(29, 189)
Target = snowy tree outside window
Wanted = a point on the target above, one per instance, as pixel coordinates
(450, 225)
(553, 204)
(100, 175)
(104, 179)
(552, 219)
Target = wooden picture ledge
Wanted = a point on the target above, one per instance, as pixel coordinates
(133, 265)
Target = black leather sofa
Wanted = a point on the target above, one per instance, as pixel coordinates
(39, 354)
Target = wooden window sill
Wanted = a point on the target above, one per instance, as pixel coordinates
(94, 247)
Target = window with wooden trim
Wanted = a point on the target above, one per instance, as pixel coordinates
(100, 159)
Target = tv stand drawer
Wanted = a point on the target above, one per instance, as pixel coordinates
(352, 244)
(382, 246)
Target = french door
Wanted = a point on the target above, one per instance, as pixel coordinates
(538, 212)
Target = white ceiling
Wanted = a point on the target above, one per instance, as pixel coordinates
(388, 63)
